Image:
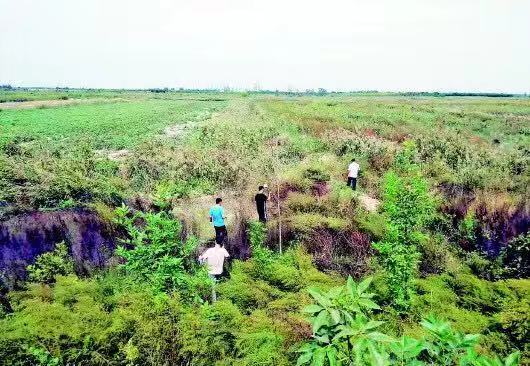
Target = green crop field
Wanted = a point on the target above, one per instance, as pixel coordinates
(111, 125)
(431, 249)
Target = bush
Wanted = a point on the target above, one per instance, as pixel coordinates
(71, 325)
(244, 291)
(300, 202)
(316, 175)
(49, 265)
(516, 256)
(156, 253)
(434, 255)
(306, 222)
(481, 266)
(208, 334)
(514, 321)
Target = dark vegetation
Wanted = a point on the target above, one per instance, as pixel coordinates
(436, 274)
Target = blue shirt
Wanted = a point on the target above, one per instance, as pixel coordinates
(216, 213)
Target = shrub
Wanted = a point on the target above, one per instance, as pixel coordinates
(316, 175)
(244, 291)
(208, 334)
(49, 265)
(371, 222)
(434, 255)
(516, 256)
(261, 341)
(300, 202)
(155, 253)
(72, 326)
(481, 266)
(408, 207)
(306, 222)
(514, 321)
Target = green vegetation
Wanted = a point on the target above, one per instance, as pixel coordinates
(426, 264)
(343, 333)
(105, 125)
(49, 265)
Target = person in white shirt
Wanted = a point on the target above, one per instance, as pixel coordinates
(214, 258)
(353, 171)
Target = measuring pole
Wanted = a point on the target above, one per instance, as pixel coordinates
(276, 163)
(279, 216)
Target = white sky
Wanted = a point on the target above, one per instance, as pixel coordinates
(443, 45)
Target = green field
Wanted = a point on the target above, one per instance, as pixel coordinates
(439, 222)
(114, 125)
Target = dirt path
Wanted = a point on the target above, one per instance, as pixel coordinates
(370, 204)
(179, 129)
(114, 155)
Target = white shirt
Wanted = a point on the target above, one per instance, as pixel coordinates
(353, 170)
(215, 258)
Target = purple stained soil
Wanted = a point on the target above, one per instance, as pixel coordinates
(24, 237)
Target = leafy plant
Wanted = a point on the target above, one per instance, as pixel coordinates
(341, 327)
(345, 334)
(49, 265)
(155, 252)
(257, 232)
(408, 207)
(516, 256)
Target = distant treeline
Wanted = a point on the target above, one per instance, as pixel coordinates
(307, 92)
(459, 94)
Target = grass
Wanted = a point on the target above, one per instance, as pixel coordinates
(506, 120)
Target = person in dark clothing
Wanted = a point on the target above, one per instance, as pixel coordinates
(261, 203)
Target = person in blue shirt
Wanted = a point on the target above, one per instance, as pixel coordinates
(217, 217)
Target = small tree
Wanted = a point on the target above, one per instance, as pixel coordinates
(408, 207)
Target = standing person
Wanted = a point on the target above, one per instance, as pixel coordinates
(261, 203)
(214, 258)
(217, 218)
(353, 171)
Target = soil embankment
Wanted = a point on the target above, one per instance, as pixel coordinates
(24, 237)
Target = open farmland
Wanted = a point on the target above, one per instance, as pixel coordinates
(111, 125)
(439, 222)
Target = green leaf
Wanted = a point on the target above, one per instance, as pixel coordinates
(313, 308)
(369, 304)
(321, 320)
(334, 292)
(363, 286)
(332, 356)
(322, 339)
(350, 285)
(378, 358)
(346, 332)
(372, 324)
(304, 358)
(380, 337)
(319, 297)
(513, 359)
(319, 357)
(335, 315)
